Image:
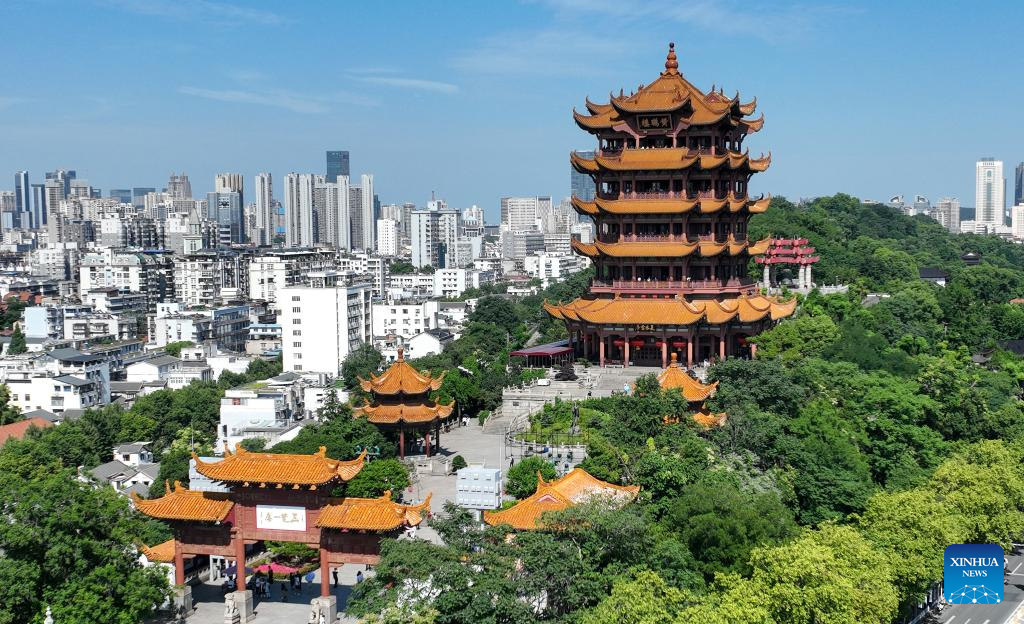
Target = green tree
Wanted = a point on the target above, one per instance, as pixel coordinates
(521, 479)
(645, 599)
(17, 344)
(362, 361)
(174, 348)
(377, 477)
(804, 337)
(8, 413)
(496, 310)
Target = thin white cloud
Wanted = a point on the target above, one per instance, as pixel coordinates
(410, 83)
(771, 24)
(548, 52)
(277, 99)
(198, 10)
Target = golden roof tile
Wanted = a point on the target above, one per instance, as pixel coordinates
(279, 468)
(401, 377)
(161, 553)
(575, 487)
(675, 376)
(182, 503)
(414, 413)
(707, 419)
(371, 514)
(666, 158)
(674, 311)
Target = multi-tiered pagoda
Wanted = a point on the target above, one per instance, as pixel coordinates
(400, 401)
(671, 251)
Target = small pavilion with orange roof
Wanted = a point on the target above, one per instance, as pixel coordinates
(696, 393)
(400, 401)
(577, 486)
(276, 496)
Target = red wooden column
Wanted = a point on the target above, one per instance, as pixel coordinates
(325, 573)
(601, 349)
(664, 351)
(721, 346)
(179, 564)
(426, 447)
(401, 442)
(753, 351)
(689, 351)
(239, 560)
(625, 350)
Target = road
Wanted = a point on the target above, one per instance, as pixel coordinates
(1013, 596)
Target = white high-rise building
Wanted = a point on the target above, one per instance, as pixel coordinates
(322, 322)
(1017, 221)
(947, 212)
(227, 183)
(298, 207)
(333, 213)
(989, 193)
(367, 201)
(264, 209)
(520, 214)
(387, 237)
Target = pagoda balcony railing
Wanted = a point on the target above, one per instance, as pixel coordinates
(669, 238)
(672, 195)
(735, 284)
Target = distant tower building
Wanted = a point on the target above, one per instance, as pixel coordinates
(387, 237)
(298, 208)
(264, 209)
(337, 165)
(331, 202)
(22, 216)
(947, 212)
(989, 193)
(368, 201)
(1018, 186)
(122, 195)
(229, 183)
(139, 195)
(521, 214)
(582, 184)
(178, 187)
(193, 241)
(921, 205)
(225, 208)
(38, 207)
(1017, 221)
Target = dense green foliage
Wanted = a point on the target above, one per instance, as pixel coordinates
(17, 345)
(851, 457)
(174, 348)
(521, 479)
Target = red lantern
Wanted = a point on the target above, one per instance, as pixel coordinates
(742, 340)
(618, 342)
(659, 343)
(679, 344)
(636, 342)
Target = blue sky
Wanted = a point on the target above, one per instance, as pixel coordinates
(473, 100)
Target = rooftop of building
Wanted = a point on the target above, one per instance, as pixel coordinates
(18, 430)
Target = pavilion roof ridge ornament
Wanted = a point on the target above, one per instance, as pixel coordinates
(671, 62)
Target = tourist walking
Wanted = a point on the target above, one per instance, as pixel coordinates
(334, 573)
(359, 577)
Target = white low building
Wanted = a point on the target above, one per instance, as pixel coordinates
(323, 321)
(158, 368)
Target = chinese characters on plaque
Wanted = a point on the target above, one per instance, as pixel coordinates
(279, 517)
(654, 122)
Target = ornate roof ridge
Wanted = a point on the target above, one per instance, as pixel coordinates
(297, 469)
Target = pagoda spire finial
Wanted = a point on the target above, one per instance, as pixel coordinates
(401, 354)
(671, 63)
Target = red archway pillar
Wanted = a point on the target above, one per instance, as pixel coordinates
(601, 349)
(179, 564)
(625, 350)
(325, 573)
(689, 351)
(239, 558)
(664, 351)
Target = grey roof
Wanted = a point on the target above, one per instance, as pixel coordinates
(138, 488)
(72, 355)
(443, 335)
(41, 413)
(73, 413)
(109, 470)
(131, 447)
(931, 273)
(285, 377)
(159, 360)
(72, 380)
(126, 386)
(150, 470)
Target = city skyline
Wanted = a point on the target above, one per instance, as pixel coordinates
(419, 111)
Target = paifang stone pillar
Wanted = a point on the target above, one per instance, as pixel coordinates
(325, 573)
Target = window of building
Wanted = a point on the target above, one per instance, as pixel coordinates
(296, 310)
(297, 367)
(296, 332)
(296, 344)
(296, 298)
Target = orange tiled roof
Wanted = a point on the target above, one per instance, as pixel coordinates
(390, 414)
(669, 249)
(401, 377)
(163, 553)
(182, 503)
(667, 158)
(670, 92)
(575, 487)
(668, 206)
(17, 430)
(708, 420)
(675, 376)
(280, 468)
(675, 311)
(371, 514)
